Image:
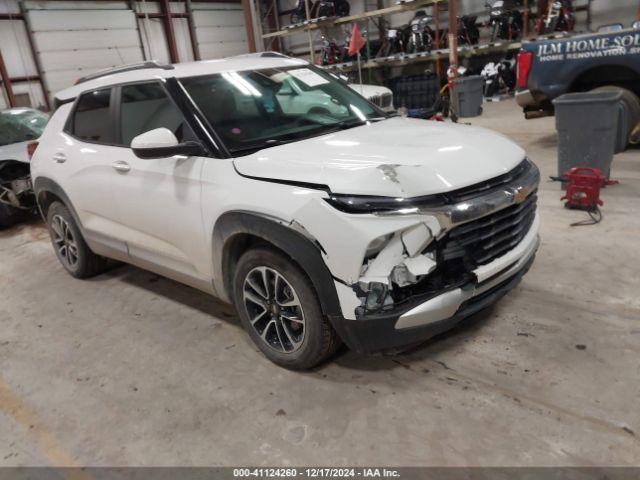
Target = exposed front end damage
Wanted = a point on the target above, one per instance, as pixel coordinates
(16, 190)
(403, 276)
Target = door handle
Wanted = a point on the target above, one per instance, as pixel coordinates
(60, 157)
(121, 166)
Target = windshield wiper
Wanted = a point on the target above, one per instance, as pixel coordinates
(254, 148)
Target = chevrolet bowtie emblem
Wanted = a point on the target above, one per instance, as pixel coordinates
(519, 194)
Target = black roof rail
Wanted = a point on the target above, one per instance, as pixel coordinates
(273, 55)
(124, 68)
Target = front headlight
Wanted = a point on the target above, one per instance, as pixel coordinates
(360, 204)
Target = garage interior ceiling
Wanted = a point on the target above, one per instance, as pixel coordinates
(47, 45)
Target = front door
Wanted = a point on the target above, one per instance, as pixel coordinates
(158, 201)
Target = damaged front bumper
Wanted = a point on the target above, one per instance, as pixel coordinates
(417, 322)
(485, 245)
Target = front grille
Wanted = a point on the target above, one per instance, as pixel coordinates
(483, 240)
(472, 191)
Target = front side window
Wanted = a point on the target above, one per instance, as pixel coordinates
(256, 109)
(92, 119)
(145, 107)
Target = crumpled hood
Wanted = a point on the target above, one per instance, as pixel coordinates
(15, 151)
(399, 157)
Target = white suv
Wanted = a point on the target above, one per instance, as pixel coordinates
(339, 225)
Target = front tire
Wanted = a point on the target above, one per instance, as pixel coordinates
(72, 251)
(280, 310)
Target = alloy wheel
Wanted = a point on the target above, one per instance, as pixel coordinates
(274, 309)
(64, 241)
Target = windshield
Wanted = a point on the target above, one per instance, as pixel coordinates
(255, 109)
(21, 126)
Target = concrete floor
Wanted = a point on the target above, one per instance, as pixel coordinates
(133, 369)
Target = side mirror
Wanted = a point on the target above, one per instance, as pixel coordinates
(636, 25)
(162, 143)
(614, 27)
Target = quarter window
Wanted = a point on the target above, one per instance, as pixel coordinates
(145, 107)
(91, 119)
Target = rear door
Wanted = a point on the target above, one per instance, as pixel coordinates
(83, 160)
(158, 201)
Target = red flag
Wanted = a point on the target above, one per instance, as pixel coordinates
(357, 42)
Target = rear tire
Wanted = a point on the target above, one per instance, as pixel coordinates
(72, 251)
(632, 104)
(280, 310)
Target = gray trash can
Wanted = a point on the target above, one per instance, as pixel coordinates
(468, 96)
(622, 137)
(587, 125)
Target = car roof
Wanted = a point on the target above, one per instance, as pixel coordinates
(151, 70)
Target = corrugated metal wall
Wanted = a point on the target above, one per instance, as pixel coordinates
(72, 43)
(220, 29)
(75, 38)
(17, 56)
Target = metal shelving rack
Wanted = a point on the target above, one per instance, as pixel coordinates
(436, 55)
(401, 60)
(314, 24)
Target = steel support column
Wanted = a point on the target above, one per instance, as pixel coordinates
(6, 82)
(192, 30)
(34, 54)
(248, 22)
(168, 30)
(453, 35)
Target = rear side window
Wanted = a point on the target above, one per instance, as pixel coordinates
(145, 107)
(91, 118)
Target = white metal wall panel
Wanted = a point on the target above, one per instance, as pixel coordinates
(15, 48)
(221, 34)
(54, 41)
(183, 40)
(9, 6)
(95, 59)
(74, 43)
(55, 20)
(74, 5)
(154, 39)
(34, 90)
(220, 30)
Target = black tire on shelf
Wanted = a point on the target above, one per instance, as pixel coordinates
(264, 275)
(79, 261)
(295, 18)
(632, 104)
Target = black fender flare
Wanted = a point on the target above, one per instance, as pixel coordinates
(299, 247)
(44, 185)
